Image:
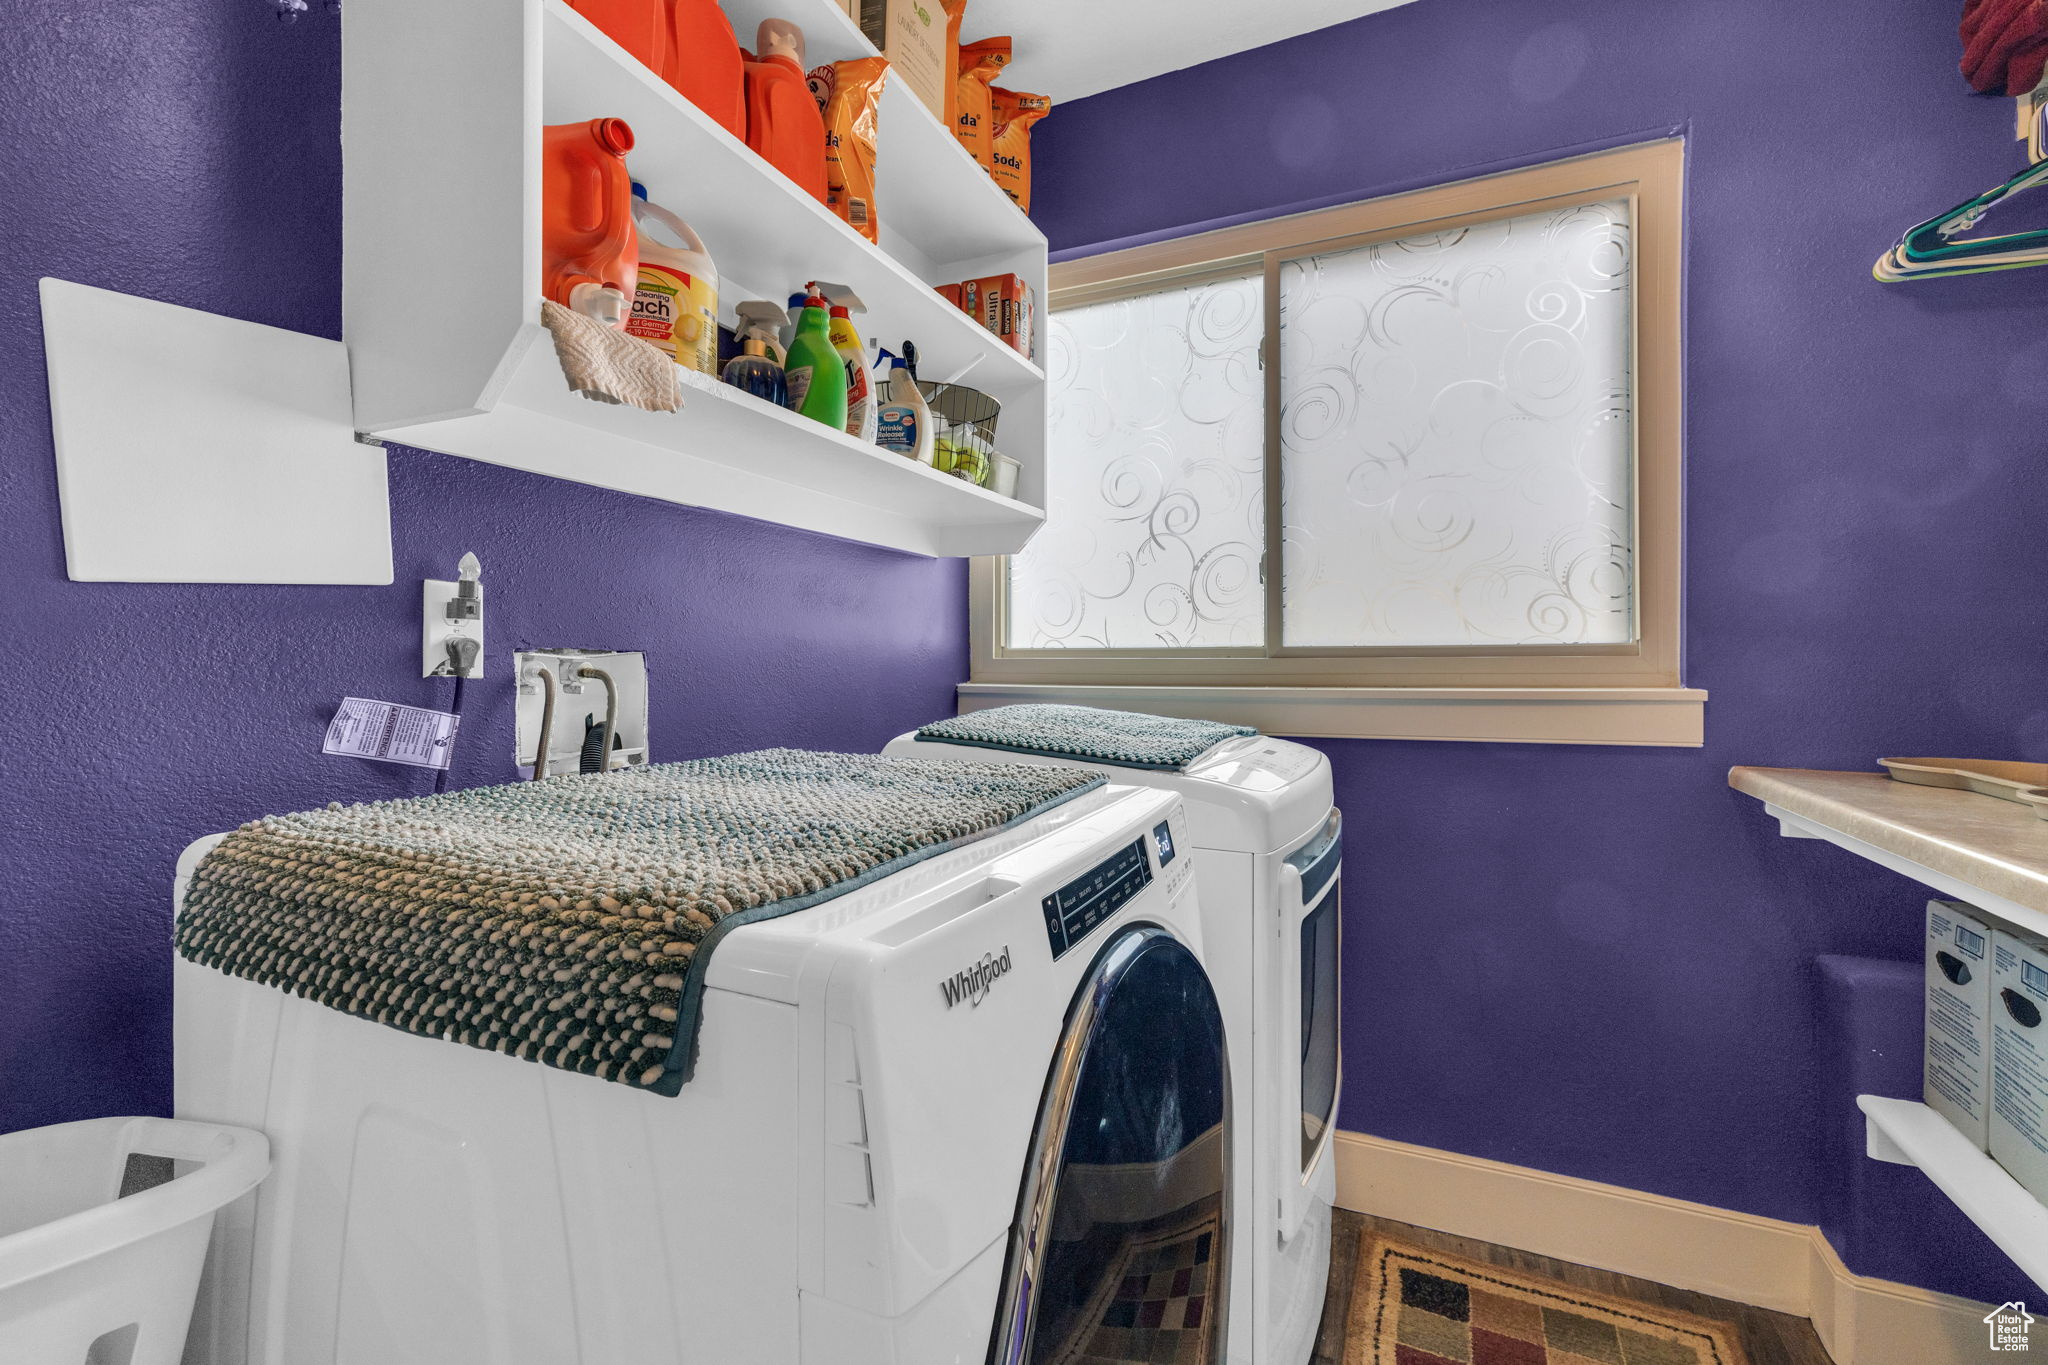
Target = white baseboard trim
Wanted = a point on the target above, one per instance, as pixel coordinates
(1786, 1266)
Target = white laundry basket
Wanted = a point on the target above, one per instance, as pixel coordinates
(87, 1276)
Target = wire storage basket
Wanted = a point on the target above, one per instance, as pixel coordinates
(966, 421)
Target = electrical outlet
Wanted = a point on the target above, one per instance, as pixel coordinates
(452, 625)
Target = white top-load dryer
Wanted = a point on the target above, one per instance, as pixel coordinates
(1268, 853)
(979, 1108)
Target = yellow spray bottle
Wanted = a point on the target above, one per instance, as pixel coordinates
(860, 389)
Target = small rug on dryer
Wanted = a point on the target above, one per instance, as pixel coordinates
(570, 921)
(1414, 1306)
(1125, 739)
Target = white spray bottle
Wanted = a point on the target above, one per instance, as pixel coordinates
(904, 423)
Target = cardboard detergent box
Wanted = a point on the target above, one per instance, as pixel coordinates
(2019, 1058)
(912, 35)
(1957, 1065)
(1007, 306)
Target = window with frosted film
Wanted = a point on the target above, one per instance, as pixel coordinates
(1155, 495)
(1457, 458)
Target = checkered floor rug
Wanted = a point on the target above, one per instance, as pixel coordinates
(1156, 1306)
(1412, 1306)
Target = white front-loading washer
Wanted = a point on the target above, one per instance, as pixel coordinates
(1269, 857)
(977, 1109)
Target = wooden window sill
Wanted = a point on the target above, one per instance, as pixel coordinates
(1669, 717)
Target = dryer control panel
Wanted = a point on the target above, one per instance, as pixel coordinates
(1073, 911)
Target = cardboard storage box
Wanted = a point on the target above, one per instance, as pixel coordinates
(1957, 1063)
(912, 35)
(1005, 305)
(2019, 1058)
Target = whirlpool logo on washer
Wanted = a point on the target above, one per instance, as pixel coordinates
(973, 984)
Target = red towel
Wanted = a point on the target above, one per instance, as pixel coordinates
(2005, 45)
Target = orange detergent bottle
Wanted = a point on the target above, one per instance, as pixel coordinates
(704, 62)
(639, 26)
(784, 123)
(590, 253)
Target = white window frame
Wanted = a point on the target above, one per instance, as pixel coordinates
(1568, 694)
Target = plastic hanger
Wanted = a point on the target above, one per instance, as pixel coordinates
(1932, 249)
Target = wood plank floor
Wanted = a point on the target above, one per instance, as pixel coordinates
(1769, 1338)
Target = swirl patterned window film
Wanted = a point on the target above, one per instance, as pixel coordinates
(1456, 437)
(1155, 499)
(1449, 506)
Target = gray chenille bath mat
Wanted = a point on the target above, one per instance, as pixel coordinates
(570, 921)
(1125, 739)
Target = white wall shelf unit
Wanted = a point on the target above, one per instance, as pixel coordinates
(1911, 1134)
(1991, 853)
(442, 111)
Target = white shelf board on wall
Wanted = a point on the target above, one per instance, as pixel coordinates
(194, 448)
(782, 467)
(1991, 853)
(1911, 1134)
(476, 375)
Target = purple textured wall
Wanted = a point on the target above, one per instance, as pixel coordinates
(1599, 961)
(1592, 961)
(190, 152)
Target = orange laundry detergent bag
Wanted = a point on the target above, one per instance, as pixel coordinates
(704, 63)
(956, 10)
(1010, 149)
(590, 250)
(980, 64)
(852, 113)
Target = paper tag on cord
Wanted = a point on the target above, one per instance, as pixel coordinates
(390, 733)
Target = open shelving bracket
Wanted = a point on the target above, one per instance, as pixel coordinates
(1908, 1133)
(1792, 825)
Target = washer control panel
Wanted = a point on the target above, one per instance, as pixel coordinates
(1076, 909)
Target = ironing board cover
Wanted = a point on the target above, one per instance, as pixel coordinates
(1126, 739)
(570, 921)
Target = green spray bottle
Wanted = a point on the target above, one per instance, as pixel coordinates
(814, 376)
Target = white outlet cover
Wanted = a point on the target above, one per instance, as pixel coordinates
(193, 448)
(437, 629)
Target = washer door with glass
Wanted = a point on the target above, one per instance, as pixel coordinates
(1121, 1245)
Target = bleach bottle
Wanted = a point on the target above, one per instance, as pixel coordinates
(676, 303)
